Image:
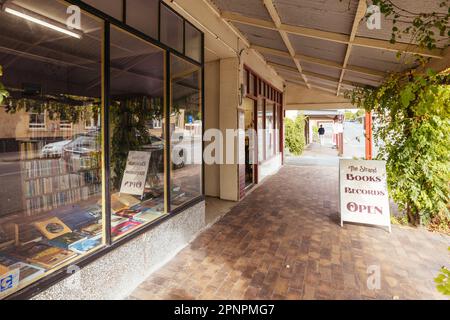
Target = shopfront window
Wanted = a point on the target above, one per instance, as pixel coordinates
(269, 116)
(137, 144)
(186, 132)
(171, 29)
(270, 149)
(143, 16)
(52, 161)
(193, 42)
(260, 128)
(50, 200)
(112, 7)
(277, 129)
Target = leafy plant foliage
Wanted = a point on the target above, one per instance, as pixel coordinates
(295, 135)
(424, 27)
(413, 123)
(443, 281)
(3, 93)
(130, 117)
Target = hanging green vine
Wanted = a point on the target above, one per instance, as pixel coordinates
(413, 124)
(57, 107)
(3, 92)
(424, 28)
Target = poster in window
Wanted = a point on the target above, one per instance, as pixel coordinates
(135, 175)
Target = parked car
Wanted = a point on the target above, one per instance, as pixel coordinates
(54, 149)
(83, 145)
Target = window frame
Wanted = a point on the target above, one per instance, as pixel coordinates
(37, 126)
(268, 93)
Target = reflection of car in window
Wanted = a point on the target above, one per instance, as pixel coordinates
(82, 145)
(54, 149)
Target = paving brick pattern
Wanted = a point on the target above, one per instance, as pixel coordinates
(284, 242)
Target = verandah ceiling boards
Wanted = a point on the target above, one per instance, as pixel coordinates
(314, 36)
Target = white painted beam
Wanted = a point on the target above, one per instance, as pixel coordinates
(360, 13)
(277, 21)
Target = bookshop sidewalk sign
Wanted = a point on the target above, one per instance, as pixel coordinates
(363, 192)
(135, 175)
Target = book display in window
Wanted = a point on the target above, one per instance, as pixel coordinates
(49, 184)
(129, 212)
(60, 219)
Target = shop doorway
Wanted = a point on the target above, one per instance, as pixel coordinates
(250, 142)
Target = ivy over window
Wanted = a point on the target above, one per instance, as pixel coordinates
(413, 124)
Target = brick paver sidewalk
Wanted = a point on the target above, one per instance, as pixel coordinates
(284, 242)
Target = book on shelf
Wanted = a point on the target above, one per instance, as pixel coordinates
(28, 272)
(52, 228)
(3, 269)
(128, 213)
(117, 206)
(83, 163)
(116, 220)
(43, 168)
(96, 211)
(43, 255)
(48, 184)
(26, 233)
(86, 245)
(124, 228)
(6, 239)
(93, 229)
(147, 216)
(6, 263)
(126, 199)
(68, 239)
(53, 201)
(76, 218)
(52, 257)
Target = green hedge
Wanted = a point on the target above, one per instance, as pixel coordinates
(295, 135)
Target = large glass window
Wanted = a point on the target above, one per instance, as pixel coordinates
(51, 141)
(143, 15)
(193, 43)
(260, 129)
(50, 199)
(171, 29)
(270, 150)
(112, 7)
(186, 132)
(277, 129)
(137, 136)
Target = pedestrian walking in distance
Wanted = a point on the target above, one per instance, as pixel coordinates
(322, 135)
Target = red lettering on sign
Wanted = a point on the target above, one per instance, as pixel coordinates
(359, 208)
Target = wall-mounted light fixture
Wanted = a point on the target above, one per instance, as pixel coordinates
(38, 19)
